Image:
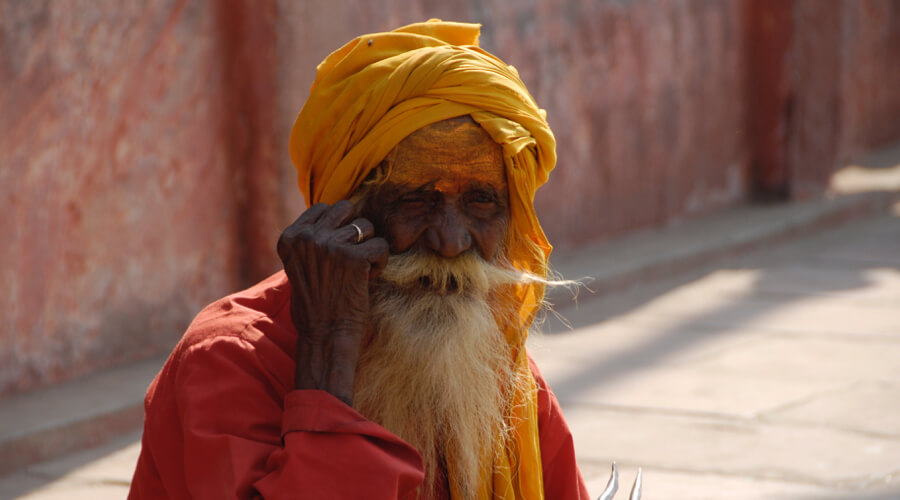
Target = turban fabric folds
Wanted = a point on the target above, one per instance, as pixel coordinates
(379, 88)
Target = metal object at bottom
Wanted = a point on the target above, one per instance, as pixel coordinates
(613, 486)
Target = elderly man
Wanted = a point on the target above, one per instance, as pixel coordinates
(388, 359)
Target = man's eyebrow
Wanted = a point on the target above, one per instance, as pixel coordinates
(482, 185)
(428, 186)
(405, 188)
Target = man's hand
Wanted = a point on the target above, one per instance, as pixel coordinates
(329, 269)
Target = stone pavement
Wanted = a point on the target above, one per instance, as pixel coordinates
(773, 375)
(768, 369)
(101, 473)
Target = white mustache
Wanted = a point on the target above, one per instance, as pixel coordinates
(467, 274)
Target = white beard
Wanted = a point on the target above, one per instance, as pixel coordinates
(436, 370)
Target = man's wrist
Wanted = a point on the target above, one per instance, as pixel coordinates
(326, 360)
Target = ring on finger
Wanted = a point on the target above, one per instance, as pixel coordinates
(359, 233)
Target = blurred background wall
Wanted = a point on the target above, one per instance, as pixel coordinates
(143, 145)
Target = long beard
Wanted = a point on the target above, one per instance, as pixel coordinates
(437, 371)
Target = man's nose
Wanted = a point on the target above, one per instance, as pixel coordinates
(449, 236)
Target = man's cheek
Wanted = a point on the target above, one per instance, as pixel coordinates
(383, 223)
(492, 238)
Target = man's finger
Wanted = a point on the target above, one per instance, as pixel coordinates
(312, 214)
(336, 216)
(375, 251)
(362, 231)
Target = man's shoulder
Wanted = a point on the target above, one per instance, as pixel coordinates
(245, 333)
(260, 310)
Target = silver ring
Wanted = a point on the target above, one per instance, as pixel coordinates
(359, 233)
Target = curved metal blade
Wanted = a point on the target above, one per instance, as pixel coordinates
(612, 486)
(636, 489)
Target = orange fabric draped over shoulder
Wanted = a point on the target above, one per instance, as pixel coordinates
(379, 88)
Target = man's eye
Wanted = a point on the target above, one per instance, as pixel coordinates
(482, 198)
(412, 199)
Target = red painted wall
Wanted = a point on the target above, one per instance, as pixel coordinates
(143, 149)
(119, 197)
(822, 80)
(869, 52)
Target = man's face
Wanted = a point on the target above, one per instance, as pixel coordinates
(446, 193)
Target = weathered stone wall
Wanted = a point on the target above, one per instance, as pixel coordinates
(869, 51)
(822, 87)
(119, 197)
(143, 146)
(628, 86)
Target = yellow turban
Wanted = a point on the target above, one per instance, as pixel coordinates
(379, 88)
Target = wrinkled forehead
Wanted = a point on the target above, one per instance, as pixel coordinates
(456, 150)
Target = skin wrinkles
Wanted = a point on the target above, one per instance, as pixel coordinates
(447, 192)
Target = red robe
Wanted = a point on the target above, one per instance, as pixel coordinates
(223, 420)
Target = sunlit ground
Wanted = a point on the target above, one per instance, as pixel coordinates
(877, 173)
(769, 376)
(102, 473)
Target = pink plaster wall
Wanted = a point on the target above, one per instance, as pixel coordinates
(836, 98)
(629, 86)
(118, 198)
(870, 74)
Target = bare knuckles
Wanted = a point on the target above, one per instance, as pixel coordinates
(329, 258)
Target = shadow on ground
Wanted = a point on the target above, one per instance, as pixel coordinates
(831, 252)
